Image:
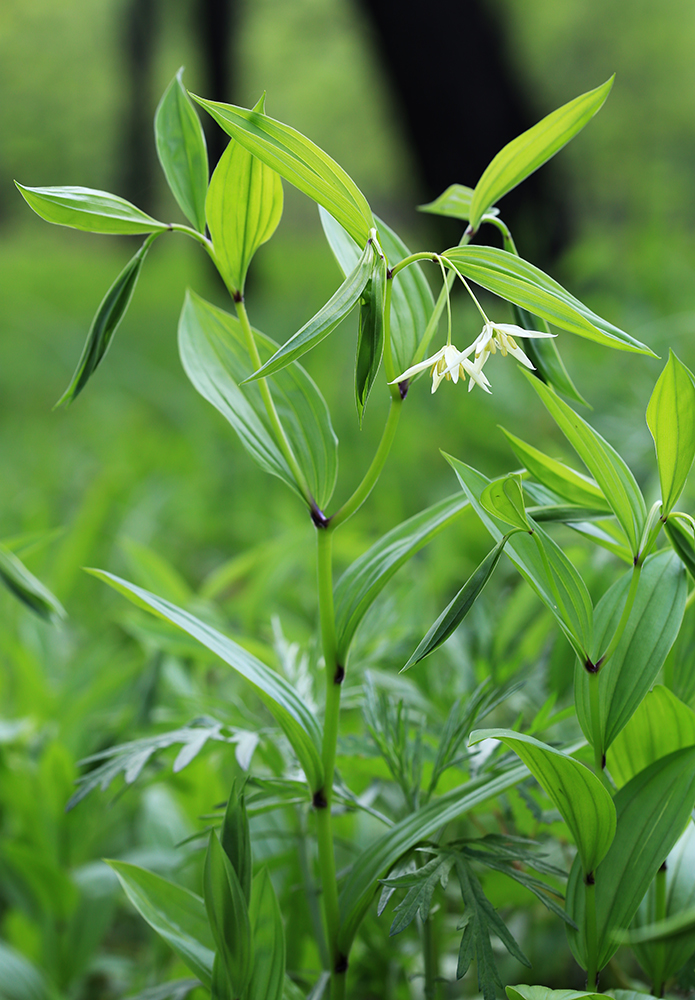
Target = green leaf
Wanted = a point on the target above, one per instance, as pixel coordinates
(581, 799)
(504, 499)
(557, 476)
(680, 534)
(299, 161)
(653, 808)
(650, 632)
(671, 421)
(361, 583)
(533, 148)
(236, 841)
(182, 152)
(420, 885)
(543, 993)
(545, 355)
(455, 203)
(370, 338)
(268, 976)
(25, 586)
(214, 356)
(661, 724)
(377, 859)
(105, 323)
(176, 914)
(412, 303)
(576, 615)
(519, 282)
(295, 718)
(89, 210)
(19, 979)
(228, 915)
(612, 475)
(456, 611)
(243, 208)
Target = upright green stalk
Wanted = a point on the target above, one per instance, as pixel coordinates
(659, 946)
(591, 933)
(429, 950)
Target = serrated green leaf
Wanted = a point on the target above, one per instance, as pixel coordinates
(671, 422)
(228, 915)
(581, 799)
(504, 499)
(295, 718)
(25, 586)
(370, 337)
(653, 808)
(299, 161)
(243, 208)
(214, 356)
(182, 151)
(420, 885)
(455, 203)
(456, 611)
(557, 476)
(105, 323)
(532, 148)
(614, 478)
(516, 280)
(650, 632)
(360, 584)
(89, 210)
(176, 914)
(268, 976)
(661, 724)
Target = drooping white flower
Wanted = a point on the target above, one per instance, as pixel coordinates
(448, 363)
(501, 336)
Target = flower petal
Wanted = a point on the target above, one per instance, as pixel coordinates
(517, 331)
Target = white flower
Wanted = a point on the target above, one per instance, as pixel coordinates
(448, 363)
(501, 335)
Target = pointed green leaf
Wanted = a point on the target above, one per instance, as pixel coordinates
(455, 203)
(456, 611)
(653, 808)
(504, 499)
(89, 210)
(607, 467)
(228, 915)
(543, 993)
(661, 724)
(236, 841)
(525, 285)
(650, 632)
(679, 531)
(243, 208)
(268, 976)
(176, 914)
(299, 161)
(182, 151)
(370, 337)
(107, 320)
(581, 799)
(557, 476)
(545, 355)
(671, 421)
(214, 356)
(19, 978)
(532, 148)
(24, 585)
(361, 583)
(295, 718)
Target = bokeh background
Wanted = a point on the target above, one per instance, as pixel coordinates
(141, 476)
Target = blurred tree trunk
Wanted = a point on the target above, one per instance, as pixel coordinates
(215, 21)
(140, 28)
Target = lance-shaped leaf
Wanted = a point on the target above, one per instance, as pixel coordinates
(455, 203)
(299, 161)
(525, 285)
(611, 473)
(671, 421)
(376, 860)
(543, 993)
(581, 799)
(236, 841)
(325, 320)
(25, 586)
(214, 356)
(228, 914)
(456, 611)
(679, 531)
(650, 632)
(107, 320)
(89, 210)
(361, 582)
(661, 724)
(182, 151)
(412, 303)
(504, 499)
(175, 913)
(268, 975)
(557, 476)
(295, 718)
(370, 337)
(543, 352)
(243, 208)
(532, 148)
(653, 808)
(576, 613)
(20, 978)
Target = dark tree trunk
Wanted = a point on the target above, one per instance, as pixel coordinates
(140, 26)
(215, 21)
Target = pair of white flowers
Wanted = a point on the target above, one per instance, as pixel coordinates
(453, 364)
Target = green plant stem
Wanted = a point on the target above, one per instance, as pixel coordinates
(267, 398)
(176, 227)
(595, 719)
(556, 593)
(439, 305)
(630, 600)
(659, 946)
(429, 951)
(388, 353)
(310, 889)
(591, 936)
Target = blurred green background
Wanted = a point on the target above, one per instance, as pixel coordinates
(141, 465)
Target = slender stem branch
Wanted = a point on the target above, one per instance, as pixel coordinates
(591, 933)
(388, 353)
(412, 259)
(176, 227)
(429, 951)
(438, 306)
(630, 600)
(310, 890)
